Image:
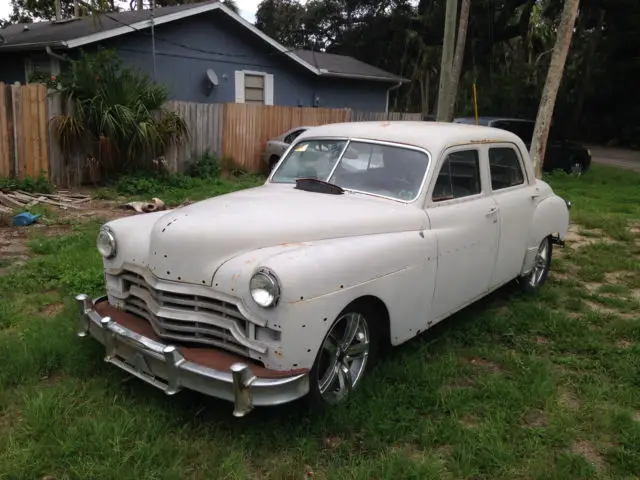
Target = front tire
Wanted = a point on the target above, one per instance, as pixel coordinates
(542, 264)
(347, 352)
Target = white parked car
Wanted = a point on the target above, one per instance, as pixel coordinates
(278, 145)
(365, 235)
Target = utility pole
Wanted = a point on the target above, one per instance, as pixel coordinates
(554, 77)
(58, 10)
(446, 64)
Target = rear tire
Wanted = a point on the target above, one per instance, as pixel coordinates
(542, 264)
(348, 351)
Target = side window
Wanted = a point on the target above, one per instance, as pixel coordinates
(505, 168)
(459, 176)
(292, 136)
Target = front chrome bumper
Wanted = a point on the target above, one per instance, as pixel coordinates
(165, 367)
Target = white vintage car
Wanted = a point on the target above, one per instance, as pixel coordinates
(364, 235)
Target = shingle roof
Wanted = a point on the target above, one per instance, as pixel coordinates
(343, 65)
(84, 30)
(52, 33)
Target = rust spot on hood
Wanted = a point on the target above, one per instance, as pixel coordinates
(294, 244)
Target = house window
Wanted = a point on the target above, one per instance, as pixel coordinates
(41, 64)
(254, 87)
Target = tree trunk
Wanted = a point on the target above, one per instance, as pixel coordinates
(425, 81)
(586, 72)
(447, 58)
(458, 59)
(554, 77)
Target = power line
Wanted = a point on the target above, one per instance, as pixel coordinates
(195, 49)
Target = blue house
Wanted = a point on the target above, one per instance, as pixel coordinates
(203, 52)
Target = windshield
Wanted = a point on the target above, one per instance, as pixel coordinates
(386, 170)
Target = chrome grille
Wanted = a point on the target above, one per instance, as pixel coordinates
(187, 318)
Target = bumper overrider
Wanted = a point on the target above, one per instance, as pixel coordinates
(142, 354)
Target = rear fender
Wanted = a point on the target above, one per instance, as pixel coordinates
(551, 217)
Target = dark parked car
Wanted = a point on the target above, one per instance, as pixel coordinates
(561, 153)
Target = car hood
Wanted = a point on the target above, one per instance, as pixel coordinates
(190, 243)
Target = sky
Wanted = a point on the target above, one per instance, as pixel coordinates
(247, 8)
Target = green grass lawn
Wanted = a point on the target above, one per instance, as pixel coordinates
(540, 387)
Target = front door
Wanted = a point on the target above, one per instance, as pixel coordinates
(516, 199)
(464, 218)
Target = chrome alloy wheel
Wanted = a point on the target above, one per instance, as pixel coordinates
(576, 168)
(343, 357)
(541, 263)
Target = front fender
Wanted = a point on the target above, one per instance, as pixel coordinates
(319, 279)
(313, 269)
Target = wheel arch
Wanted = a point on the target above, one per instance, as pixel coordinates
(378, 307)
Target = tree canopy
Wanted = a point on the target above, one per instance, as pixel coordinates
(507, 52)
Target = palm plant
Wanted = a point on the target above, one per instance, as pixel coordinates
(114, 114)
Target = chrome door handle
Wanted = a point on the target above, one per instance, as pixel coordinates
(492, 211)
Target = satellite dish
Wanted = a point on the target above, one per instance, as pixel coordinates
(211, 81)
(213, 78)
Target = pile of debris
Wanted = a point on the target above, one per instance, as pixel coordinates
(19, 199)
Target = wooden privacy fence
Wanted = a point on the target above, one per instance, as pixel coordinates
(205, 123)
(24, 131)
(28, 146)
(248, 127)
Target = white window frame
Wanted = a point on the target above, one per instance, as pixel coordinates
(268, 85)
(54, 67)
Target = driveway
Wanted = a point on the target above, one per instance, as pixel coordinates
(616, 157)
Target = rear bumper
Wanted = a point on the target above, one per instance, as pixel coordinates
(171, 369)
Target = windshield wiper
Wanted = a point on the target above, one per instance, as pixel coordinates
(318, 186)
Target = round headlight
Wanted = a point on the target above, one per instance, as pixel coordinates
(264, 287)
(106, 243)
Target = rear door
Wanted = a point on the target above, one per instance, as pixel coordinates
(515, 200)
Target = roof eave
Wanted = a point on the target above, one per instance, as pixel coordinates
(365, 77)
(21, 47)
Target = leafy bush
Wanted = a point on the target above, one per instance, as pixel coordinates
(144, 184)
(39, 184)
(204, 166)
(113, 113)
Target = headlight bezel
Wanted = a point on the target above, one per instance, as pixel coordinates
(271, 279)
(106, 232)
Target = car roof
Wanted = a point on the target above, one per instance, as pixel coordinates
(431, 136)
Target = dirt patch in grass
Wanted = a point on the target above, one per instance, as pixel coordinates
(410, 451)
(470, 421)
(52, 309)
(568, 400)
(578, 237)
(487, 364)
(596, 307)
(535, 419)
(332, 442)
(624, 344)
(590, 453)
(461, 383)
(8, 418)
